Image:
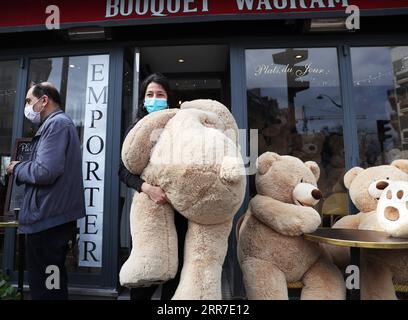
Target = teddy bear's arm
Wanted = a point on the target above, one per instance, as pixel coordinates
(285, 218)
(348, 222)
(142, 138)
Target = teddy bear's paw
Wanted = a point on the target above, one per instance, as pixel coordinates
(311, 223)
(311, 226)
(307, 221)
(304, 222)
(141, 273)
(392, 209)
(232, 170)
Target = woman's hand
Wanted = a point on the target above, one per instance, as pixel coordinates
(155, 193)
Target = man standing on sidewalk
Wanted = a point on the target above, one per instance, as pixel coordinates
(54, 197)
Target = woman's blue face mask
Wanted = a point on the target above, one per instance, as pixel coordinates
(155, 104)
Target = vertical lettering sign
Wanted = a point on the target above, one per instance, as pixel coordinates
(93, 163)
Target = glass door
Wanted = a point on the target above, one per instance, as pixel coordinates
(193, 71)
(83, 84)
(9, 71)
(90, 85)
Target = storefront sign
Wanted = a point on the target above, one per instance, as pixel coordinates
(122, 12)
(164, 8)
(93, 167)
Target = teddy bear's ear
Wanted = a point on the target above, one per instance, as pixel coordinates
(350, 175)
(142, 137)
(314, 167)
(401, 164)
(265, 160)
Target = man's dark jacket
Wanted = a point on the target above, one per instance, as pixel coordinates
(54, 191)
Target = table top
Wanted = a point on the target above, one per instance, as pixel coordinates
(357, 238)
(8, 221)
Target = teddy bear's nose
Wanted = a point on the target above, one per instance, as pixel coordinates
(381, 185)
(317, 194)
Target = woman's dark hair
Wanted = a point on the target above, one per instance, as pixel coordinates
(46, 89)
(159, 79)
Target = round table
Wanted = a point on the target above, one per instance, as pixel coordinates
(8, 222)
(357, 238)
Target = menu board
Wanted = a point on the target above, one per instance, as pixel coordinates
(15, 194)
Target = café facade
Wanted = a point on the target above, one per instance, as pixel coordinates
(323, 80)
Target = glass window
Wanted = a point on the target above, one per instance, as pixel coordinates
(69, 75)
(380, 91)
(294, 102)
(8, 81)
(83, 85)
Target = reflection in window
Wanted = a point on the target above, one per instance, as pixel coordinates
(380, 84)
(293, 98)
(68, 74)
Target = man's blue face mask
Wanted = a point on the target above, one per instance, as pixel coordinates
(155, 104)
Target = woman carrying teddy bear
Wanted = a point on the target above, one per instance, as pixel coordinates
(155, 95)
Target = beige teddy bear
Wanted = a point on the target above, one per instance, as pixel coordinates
(193, 155)
(271, 249)
(365, 187)
(379, 267)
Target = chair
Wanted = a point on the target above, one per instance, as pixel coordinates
(403, 288)
(335, 206)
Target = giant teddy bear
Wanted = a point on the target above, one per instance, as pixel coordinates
(193, 155)
(271, 249)
(380, 268)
